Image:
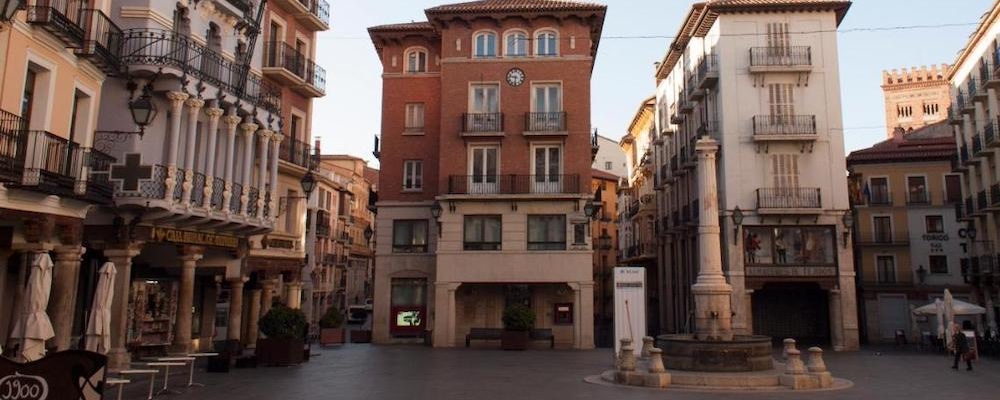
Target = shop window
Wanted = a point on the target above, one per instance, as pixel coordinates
(409, 236)
(546, 232)
(408, 306)
(939, 264)
(482, 232)
(790, 245)
(563, 314)
(934, 224)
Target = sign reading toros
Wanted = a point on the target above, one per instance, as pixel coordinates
(194, 238)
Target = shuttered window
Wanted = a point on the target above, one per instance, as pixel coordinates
(785, 170)
(781, 99)
(777, 37)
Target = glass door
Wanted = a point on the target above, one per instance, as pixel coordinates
(484, 109)
(483, 169)
(546, 108)
(547, 176)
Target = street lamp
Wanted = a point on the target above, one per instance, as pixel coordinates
(308, 183)
(369, 233)
(436, 213)
(591, 208)
(143, 110)
(8, 8)
(848, 221)
(737, 222)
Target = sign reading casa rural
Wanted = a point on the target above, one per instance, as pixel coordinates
(194, 238)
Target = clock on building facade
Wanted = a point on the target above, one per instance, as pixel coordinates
(515, 77)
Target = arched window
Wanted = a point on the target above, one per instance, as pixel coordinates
(516, 44)
(546, 43)
(485, 44)
(416, 60)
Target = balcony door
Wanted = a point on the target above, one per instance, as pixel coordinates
(546, 107)
(547, 169)
(484, 170)
(484, 109)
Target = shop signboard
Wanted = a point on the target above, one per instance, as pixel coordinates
(630, 306)
(66, 375)
(177, 236)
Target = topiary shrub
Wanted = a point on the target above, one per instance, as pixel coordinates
(333, 318)
(518, 317)
(282, 322)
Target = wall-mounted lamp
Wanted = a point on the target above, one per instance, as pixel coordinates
(436, 213)
(921, 274)
(737, 218)
(848, 221)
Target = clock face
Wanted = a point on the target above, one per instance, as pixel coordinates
(515, 77)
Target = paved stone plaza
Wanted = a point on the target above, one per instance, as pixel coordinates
(414, 373)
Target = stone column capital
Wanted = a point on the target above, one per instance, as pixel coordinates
(191, 253)
(237, 281)
(265, 134)
(249, 128)
(194, 103)
(232, 121)
(177, 98)
(130, 251)
(69, 253)
(277, 138)
(214, 112)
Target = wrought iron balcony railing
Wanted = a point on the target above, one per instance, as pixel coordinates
(61, 18)
(781, 56)
(545, 122)
(162, 48)
(708, 71)
(918, 197)
(776, 125)
(321, 9)
(103, 43)
(789, 198)
(514, 184)
(482, 122)
(296, 152)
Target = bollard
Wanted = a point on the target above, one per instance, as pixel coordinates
(627, 360)
(789, 345)
(647, 346)
(656, 361)
(795, 365)
(816, 363)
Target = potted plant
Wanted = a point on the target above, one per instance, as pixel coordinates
(331, 327)
(518, 320)
(284, 332)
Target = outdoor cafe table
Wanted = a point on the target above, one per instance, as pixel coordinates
(152, 377)
(166, 363)
(191, 381)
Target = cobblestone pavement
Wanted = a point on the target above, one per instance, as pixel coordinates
(414, 372)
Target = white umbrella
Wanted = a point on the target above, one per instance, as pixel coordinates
(949, 308)
(939, 311)
(99, 324)
(959, 308)
(34, 327)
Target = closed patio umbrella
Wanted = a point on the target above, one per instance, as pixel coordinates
(949, 313)
(34, 327)
(99, 324)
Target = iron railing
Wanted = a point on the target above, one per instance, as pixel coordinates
(198, 189)
(103, 43)
(977, 145)
(218, 187)
(179, 187)
(513, 184)
(982, 200)
(153, 188)
(62, 18)
(296, 152)
(252, 194)
(157, 47)
(708, 127)
(321, 9)
(235, 202)
(708, 71)
(880, 197)
(282, 55)
(482, 122)
(918, 197)
(545, 122)
(784, 125)
(780, 56)
(789, 198)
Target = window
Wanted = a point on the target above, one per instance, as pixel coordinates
(939, 264)
(882, 229)
(785, 170)
(886, 269)
(782, 102)
(607, 165)
(789, 245)
(483, 170)
(546, 44)
(484, 98)
(931, 109)
(953, 188)
(547, 170)
(579, 234)
(879, 191)
(904, 112)
(414, 117)
(517, 44)
(917, 190)
(413, 175)
(416, 61)
(546, 232)
(485, 45)
(777, 36)
(28, 97)
(934, 224)
(296, 127)
(409, 236)
(482, 232)
(546, 108)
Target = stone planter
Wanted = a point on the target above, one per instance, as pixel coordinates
(514, 340)
(277, 351)
(331, 336)
(361, 336)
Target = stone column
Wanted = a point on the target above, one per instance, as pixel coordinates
(713, 308)
(444, 314)
(185, 299)
(309, 306)
(293, 295)
(262, 168)
(213, 139)
(253, 315)
(194, 108)
(118, 356)
(267, 296)
(176, 105)
(836, 320)
(276, 142)
(235, 307)
(748, 311)
(231, 122)
(247, 181)
(62, 303)
(583, 314)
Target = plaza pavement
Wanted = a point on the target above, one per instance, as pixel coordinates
(415, 372)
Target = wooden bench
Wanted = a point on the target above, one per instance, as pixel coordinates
(482, 334)
(542, 335)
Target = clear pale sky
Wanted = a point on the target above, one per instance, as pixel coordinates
(349, 116)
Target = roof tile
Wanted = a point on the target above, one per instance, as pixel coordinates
(515, 6)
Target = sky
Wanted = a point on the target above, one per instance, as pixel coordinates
(349, 117)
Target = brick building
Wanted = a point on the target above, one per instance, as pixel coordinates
(486, 165)
(916, 97)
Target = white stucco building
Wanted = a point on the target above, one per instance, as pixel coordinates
(762, 79)
(610, 157)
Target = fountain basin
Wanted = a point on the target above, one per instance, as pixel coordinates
(746, 353)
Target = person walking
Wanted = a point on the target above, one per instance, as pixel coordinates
(961, 347)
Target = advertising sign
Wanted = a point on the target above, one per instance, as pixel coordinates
(66, 375)
(630, 306)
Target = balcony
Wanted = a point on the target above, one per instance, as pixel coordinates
(482, 124)
(789, 200)
(708, 71)
(323, 224)
(963, 155)
(318, 17)
(918, 198)
(960, 213)
(638, 253)
(676, 117)
(970, 207)
(604, 243)
(977, 146)
(882, 238)
(709, 128)
(982, 200)
(295, 151)
(964, 100)
(784, 128)
(103, 43)
(781, 59)
(545, 123)
(976, 89)
(285, 64)
(954, 115)
(42, 162)
(156, 49)
(513, 184)
(989, 135)
(683, 105)
(61, 18)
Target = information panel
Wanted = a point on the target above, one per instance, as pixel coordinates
(630, 306)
